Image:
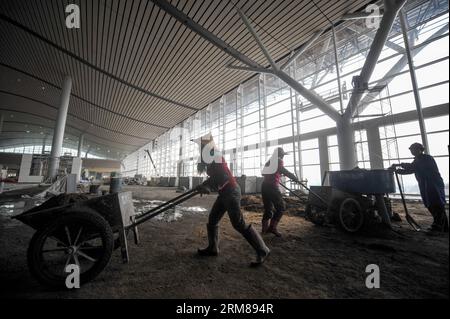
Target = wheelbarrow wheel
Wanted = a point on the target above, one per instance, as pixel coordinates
(315, 214)
(351, 216)
(79, 237)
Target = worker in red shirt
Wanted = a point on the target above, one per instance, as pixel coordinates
(229, 200)
(271, 195)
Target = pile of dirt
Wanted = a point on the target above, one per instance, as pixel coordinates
(254, 203)
(61, 200)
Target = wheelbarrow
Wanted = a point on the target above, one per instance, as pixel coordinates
(84, 233)
(353, 199)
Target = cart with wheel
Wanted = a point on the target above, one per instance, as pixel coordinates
(84, 232)
(353, 199)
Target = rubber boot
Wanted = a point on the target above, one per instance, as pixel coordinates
(442, 223)
(265, 226)
(213, 242)
(273, 227)
(256, 241)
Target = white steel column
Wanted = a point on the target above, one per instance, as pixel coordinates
(2, 118)
(346, 138)
(239, 154)
(80, 145)
(323, 155)
(338, 71)
(412, 71)
(375, 149)
(262, 121)
(58, 133)
(346, 142)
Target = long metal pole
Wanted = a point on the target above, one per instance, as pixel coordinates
(58, 134)
(80, 145)
(338, 72)
(392, 7)
(412, 72)
(2, 118)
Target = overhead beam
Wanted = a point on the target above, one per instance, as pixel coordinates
(392, 7)
(2, 118)
(389, 76)
(303, 48)
(294, 84)
(362, 15)
(257, 39)
(204, 33)
(60, 127)
(299, 88)
(360, 31)
(248, 69)
(415, 85)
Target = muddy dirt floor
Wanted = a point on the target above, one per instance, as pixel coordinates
(307, 262)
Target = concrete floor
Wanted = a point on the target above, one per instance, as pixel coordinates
(307, 262)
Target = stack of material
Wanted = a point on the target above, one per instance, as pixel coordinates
(294, 206)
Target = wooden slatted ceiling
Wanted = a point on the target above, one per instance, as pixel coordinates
(79, 109)
(125, 48)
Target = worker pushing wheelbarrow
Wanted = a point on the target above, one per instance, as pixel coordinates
(85, 232)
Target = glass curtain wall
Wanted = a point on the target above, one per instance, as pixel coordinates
(263, 113)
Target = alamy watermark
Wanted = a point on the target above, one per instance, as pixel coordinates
(373, 279)
(73, 277)
(373, 19)
(73, 19)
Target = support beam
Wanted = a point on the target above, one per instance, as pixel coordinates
(188, 22)
(80, 145)
(338, 71)
(257, 39)
(58, 134)
(303, 48)
(346, 142)
(415, 85)
(201, 31)
(87, 152)
(294, 84)
(392, 7)
(360, 31)
(312, 97)
(361, 15)
(44, 141)
(345, 135)
(389, 76)
(375, 149)
(248, 69)
(323, 155)
(2, 118)
(263, 137)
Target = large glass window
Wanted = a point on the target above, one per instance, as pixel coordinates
(264, 109)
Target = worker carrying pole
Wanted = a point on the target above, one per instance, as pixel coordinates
(271, 194)
(229, 200)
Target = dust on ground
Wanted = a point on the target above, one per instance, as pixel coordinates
(307, 262)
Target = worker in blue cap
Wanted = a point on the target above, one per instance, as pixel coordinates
(431, 184)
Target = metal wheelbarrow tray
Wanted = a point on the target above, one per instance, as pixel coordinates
(353, 198)
(83, 232)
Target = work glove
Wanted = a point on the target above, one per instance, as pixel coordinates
(294, 179)
(203, 189)
(394, 167)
